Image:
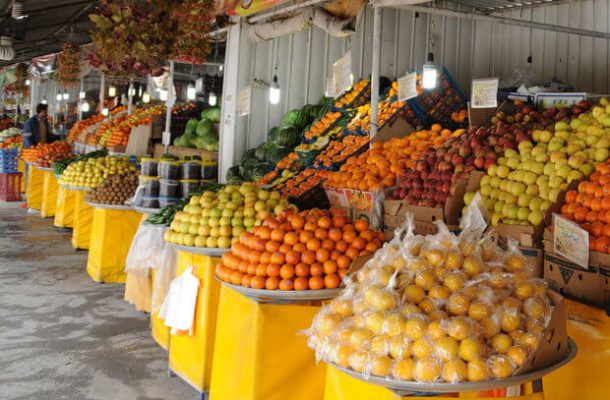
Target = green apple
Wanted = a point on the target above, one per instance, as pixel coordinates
(189, 240)
(503, 171)
(535, 218)
(574, 175)
(204, 230)
(499, 206)
(554, 194)
(213, 222)
(517, 189)
(532, 190)
(491, 171)
(512, 162)
(249, 222)
(485, 191)
(249, 212)
(215, 231)
(227, 212)
(200, 241)
(211, 242)
(555, 181)
(562, 126)
(180, 239)
(468, 196)
(262, 214)
(502, 160)
(546, 136)
(224, 242)
(513, 211)
(523, 213)
(535, 203)
(237, 231)
(215, 213)
(194, 219)
(184, 227)
(496, 218)
(586, 169)
(563, 172)
(224, 231)
(524, 200)
(194, 229)
(601, 154)
(263, 195)
(224, 221)
(545, 205)
(237, 221)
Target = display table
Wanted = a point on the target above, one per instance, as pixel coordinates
(112, 230)
(190, 357)
(584, 377)
(49, 193)
(34, 187)
(158, 330)
(21, 168)
(261, 353)
(83, 219)
(64, 208)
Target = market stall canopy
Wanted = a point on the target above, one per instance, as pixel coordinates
(46, 25)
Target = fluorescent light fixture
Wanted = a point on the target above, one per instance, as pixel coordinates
(212, 99)
(82, 95)
(66, 95)
(163, 95)
(146, 97)
(220, 68)
(430, 73)
(28, 82)
(132, 91)
(112, 91)
(85, 107)
(105, 111)
(59, 96)
(274, 91)
(191, 91)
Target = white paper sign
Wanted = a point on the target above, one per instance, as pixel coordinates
(342, 73)
(243, 102)
(548, 100)
(407, 87)
(570, 241)
(484, 93)
(330, 87)
(199, 85)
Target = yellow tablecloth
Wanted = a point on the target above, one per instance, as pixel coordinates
(260, 353)
(21, 168)
(190, 357)
(49, 194)
(111, 234)
(159, 331)
(64, 208)
(35, 182)
(83, 219)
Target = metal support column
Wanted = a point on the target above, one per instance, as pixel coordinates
(375, 70)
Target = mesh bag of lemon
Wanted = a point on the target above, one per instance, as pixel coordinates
(437, 308)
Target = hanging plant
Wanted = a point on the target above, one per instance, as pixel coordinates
(139, 38)
(21, 74)
(68, 66)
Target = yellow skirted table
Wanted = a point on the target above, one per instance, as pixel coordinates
(49, 193)
(112, 231)
(190, 357)
(35, 182)
(64, 208)
(158, 330)
(21, 168)
(261, 352)
(585, 377)
(83, 219)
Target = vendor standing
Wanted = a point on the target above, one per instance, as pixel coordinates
(36, 129)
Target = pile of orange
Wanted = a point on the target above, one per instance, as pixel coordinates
(288, 161)
(339, 150)
(589, 206)
(44, 154)
(460, 116)
(353, 94)
(79, 127)
(302, 182)
(378, 167)
(322, 125)
(11, 142)
(309, 250)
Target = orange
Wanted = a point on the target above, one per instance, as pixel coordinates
(301, 283)
(297, 222)
(310, 226)
(291, 238)
(349, 236)
(330, 267)
(328, 244)
(359, 243)
(332, 281)
(339, 221)
(367, 235)
(277, 235)
(341, 246)
(286, 284)
(592, 244)
(264, 232)
(308, 257)
(287, 271)
(606, 230)
(571, 196)
(299, 247)
(371, 247)
(261, 270)
(272, 283)
(592, 216)
(285, 248)
(596, 204)
(596, 228)
(258, 282)
(606, 203)
(325, 222)
(273, 270)
(245, 281)
(352, 253)
(335, 234)
(292, 257)
(581, 214)
(321, 234)
(316, 283)
(272, 246)
(301, 269)
(322, 255)
(361, 225)
(343, 261)
(305, 236)
(316, 269)
(602, 244)
(313, 244)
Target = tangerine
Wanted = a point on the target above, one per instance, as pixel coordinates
(301, 283)
(272, 283)
(313, 244)
(316, 269)
(258, 282)
(286, 284)
(316, 283)
(332, 281)
(287, 271)
(322, 255)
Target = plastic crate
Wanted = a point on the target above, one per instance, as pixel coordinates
(10, 187)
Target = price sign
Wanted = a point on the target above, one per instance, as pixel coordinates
(548, 100)
(484, 93)
(407, 87)
(570, 241)
(243, 101)
(342, 74)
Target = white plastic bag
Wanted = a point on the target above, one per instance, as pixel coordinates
(178, 310)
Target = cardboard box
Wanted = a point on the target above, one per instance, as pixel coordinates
(534, 256)
(572, 281)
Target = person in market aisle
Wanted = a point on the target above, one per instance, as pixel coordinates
(36, 129)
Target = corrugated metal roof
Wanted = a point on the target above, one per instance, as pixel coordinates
(500, 5)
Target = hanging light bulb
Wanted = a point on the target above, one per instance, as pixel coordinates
(212, 99)
(429, 73)
(274, 91)
(44, 100)
(220, 68)
(112, 91)
(82, 95)
(140, 91)
(163, 95)
(28, 82)
(59, 96)
(66, 95)
(146, 97)
(191, 91)
(104, 111)
(132, 91)
(85, 107)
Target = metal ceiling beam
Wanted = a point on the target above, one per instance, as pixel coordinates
(493, 19)
(284, 10)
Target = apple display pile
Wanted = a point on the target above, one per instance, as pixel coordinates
(216, 219)
(436, 308)
(525, 183)
(312, 249)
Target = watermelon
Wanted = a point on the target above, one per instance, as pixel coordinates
(327, 101)
(205, 127)
(263, 149)
(213, 114)
(288, 136)
(259, 170)
(295, 118)
(191, 126)
(249, 155)
(273, 133)
(275, 155)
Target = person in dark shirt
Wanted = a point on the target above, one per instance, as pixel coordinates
(36, 129)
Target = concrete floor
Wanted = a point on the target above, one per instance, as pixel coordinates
(62, 336)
